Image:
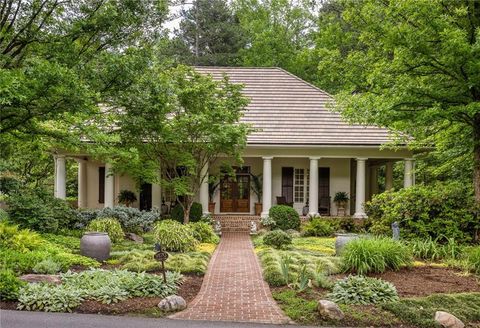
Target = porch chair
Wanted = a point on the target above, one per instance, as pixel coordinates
(282, 200)
(324, 205)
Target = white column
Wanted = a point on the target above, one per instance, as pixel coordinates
(204, 189)
(109, 186)
(408, 179)
(313, 187)
(374, 181)
(389, 176)
(60, 188)
(82, 183)
(267, 185)
(157, 192)
(360, 189)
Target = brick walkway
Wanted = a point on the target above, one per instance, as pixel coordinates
(233, 288)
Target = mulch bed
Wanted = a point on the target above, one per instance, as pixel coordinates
(188, 290)
(427, 280)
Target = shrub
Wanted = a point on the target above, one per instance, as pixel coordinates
(47, 266)
(429, 249)
(277, 239)
(9, 285)
(267, 222)
(40, 211)
(131, 219)
(285, 217)
(108, 225)
(439, 211)
(366, 255)
(196, 213)
(174, 236)
(317, 227)
(126, 197)
(363, 290)
(3, 215)
(473, 260)
(204, 233)
(19, 240)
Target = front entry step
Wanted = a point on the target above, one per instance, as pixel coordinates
(237, 223)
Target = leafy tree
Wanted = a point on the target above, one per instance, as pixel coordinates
(181, 121)
(209, 34)
(411, 66)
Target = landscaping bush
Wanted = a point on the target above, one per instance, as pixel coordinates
(131, 219)
(204, 233)
(473, 260)
(366, 255)
(196, 213)
(174, 236)
(110, 226)
(40, 211)
(277, 239)
(285, 217)
(9, 285)
(19, 240)
(363, 290)
(439, 211)
(317, 227)
(192, 262)
(47, 266)
(431, 250)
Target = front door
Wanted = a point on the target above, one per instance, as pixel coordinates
(146, 197)
(235, 192)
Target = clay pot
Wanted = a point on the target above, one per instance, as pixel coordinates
(211, 208)
(258, 209)
(96, 245)
(342, 239)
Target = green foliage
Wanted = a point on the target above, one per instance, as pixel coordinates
(431, 250)
(317, 227)
(126, 197)
(48, 298)
(277, 239)
(131, 219)
(204, 233)
(174, 236)
(473, 260)
(420, 311)
(110, 226)
(68, 242)
(191, 262)
(47, 266)
(440, 211)
(9, 285)
(285, 217)
(267, 222)
(340, 196)
(138, 261)
(363, 290)
(22, 240)
(39, 210)
(364, 255)
(196, 212)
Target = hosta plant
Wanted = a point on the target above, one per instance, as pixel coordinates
(48, 298)
(363, 290)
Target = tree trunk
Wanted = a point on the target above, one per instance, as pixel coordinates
(476, 154)
(186, 212)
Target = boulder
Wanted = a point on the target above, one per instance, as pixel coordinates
(330, 310)
(136, 238)
(34, 278)
(172, 303)
(447, 320)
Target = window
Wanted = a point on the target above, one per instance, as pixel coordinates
(101, 184)
(299, 185)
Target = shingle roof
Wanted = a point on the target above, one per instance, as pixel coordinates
(287, 110)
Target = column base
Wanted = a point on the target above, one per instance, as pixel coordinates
(264, 215)
(360, 215)
(206, 213)
(313, 214)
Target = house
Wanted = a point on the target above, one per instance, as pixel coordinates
(304, 151)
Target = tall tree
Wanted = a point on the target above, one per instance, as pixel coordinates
(414, 69)
(209, 34)
(60, 57)
(180, 121)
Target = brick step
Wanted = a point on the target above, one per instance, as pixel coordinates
(237, 223)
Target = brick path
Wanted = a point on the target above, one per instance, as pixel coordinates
(233, 288)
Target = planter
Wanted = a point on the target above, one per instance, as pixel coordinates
(258, 209)
(342, 239)
(211, 208)
(95, 245)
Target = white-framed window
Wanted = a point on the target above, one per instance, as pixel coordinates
(299, 186)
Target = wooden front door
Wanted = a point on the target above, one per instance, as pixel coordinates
(235, 193)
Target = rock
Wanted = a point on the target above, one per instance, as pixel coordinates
(50, 278)
(134, 237)
(330, 310)
(448, 320)
(172, 303)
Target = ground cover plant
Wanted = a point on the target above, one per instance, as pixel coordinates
(277, 239)
(96, 284)
(109, 225)
(317, 227)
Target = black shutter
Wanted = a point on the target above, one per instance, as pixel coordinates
(146, 197)
(101, 184)
(323, 182)
(287, 184)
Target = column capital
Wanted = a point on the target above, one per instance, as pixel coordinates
(361, 159)
(409, 159)
(59, 156)
(267, 158)
(314, 158)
